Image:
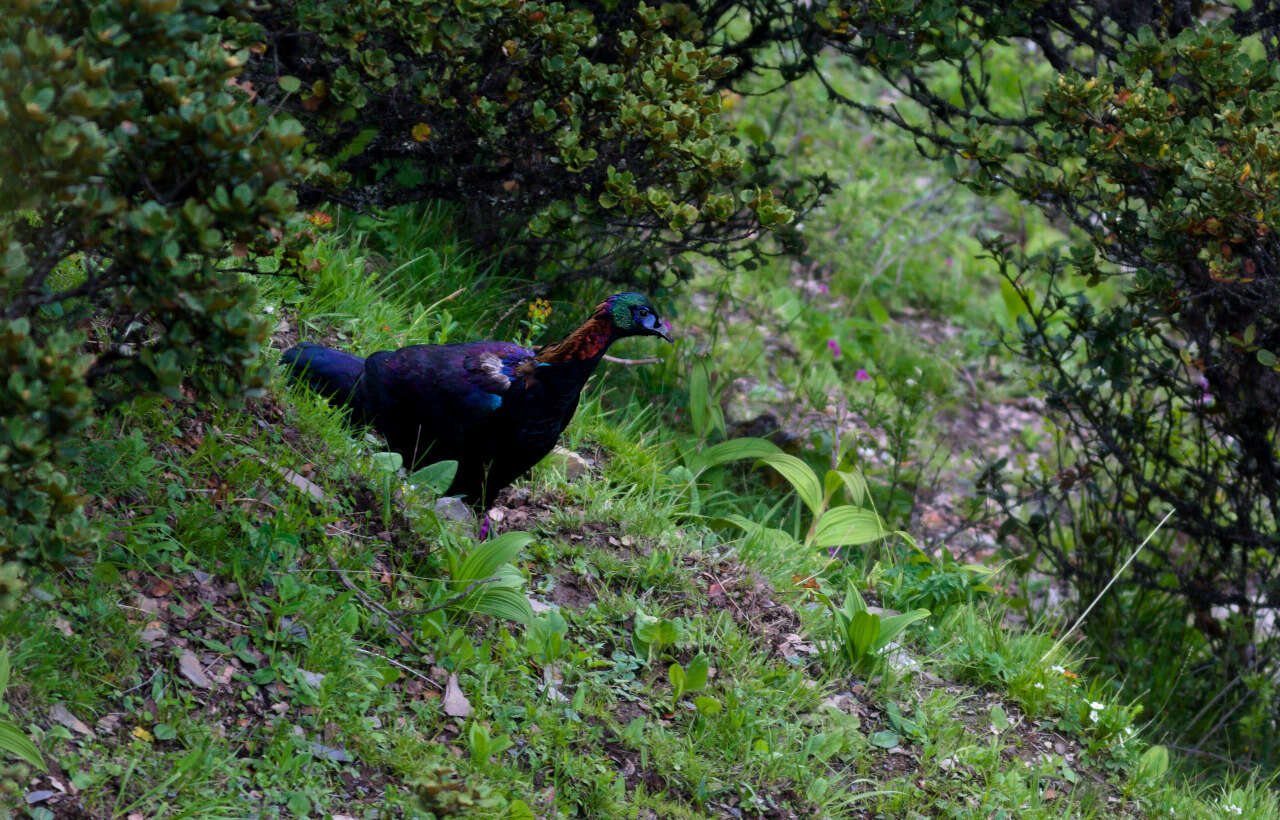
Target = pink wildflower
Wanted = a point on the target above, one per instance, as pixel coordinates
(862, 376)
(834, 347)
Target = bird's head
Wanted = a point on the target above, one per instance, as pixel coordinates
(633, 315)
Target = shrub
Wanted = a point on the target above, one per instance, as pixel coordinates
(586, 149)
(1169, 396)
(131, 164)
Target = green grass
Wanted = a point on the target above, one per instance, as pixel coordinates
(220, 664)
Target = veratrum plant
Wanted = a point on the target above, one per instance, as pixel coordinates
(862, 635)
(487, 581)
(831, 526)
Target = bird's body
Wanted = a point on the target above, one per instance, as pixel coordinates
(494, 407)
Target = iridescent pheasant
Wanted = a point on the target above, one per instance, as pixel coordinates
(495, 407)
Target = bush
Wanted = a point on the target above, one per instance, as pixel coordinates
(132, 164)
(584, 149)
(1168, 397)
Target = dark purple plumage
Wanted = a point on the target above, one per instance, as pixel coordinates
(494, 407)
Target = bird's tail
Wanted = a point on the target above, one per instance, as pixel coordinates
(331, 373)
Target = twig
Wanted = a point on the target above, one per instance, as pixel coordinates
(388, 620)
(455, 599)
(397, 663)
(1119, 572)
(630, 362)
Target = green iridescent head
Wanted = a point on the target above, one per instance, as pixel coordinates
(634, 315)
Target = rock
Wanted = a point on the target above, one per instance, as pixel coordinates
(451, 508)
(574, 465)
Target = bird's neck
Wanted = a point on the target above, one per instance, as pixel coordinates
(583, 346)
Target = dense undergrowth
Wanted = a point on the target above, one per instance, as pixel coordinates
(255, 635)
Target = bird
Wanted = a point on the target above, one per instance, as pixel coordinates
(496, 408)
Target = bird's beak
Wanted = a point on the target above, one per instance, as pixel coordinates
(663, 330)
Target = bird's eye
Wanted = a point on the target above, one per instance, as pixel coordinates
(644, 311)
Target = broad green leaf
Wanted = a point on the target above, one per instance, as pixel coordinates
(770, 536)
(1012, 301)
(846, 525)
(893, 625)
(698, 398)
(13, 741)
(386, 462)
(864, 628)
(798, 474)
(676, 675)
(484, 560)
(518, 810)
(502, 602)
(695, 676)
(289, 84)
(999, 720)
(732, 450)
(853, 601)
(877, 312)
(435, 478)
(707, 705)
(885, 739)
(1153, 764)
(855, 482)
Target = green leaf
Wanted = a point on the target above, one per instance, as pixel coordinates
(1153, 764)
(707, 706)
(885, 739)
(15, 743)
(892, 626)
(771, 536)
(484, 560)
(732, 450)
(698, 398)
(798, 474)
(878, 314)
(4, 669)
(847, 525)
(1012, 300)
(676, 675)
(386, 462)
(518, 810)
(999, 719)
(855, 482)
(503, 602)
(864, 628)
(695, 677)
(1266, 358)
(289, 84)
(437, 477)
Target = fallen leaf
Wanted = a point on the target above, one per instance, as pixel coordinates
(59, 713)
(455, 703)
(189, 666)
(63, 626)
(142, 734)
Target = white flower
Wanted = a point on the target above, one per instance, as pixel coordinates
(1093, 716)
(1098, 706)
(1232, 808)
(1038, 685)
(1058, 669)
(269, 308)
